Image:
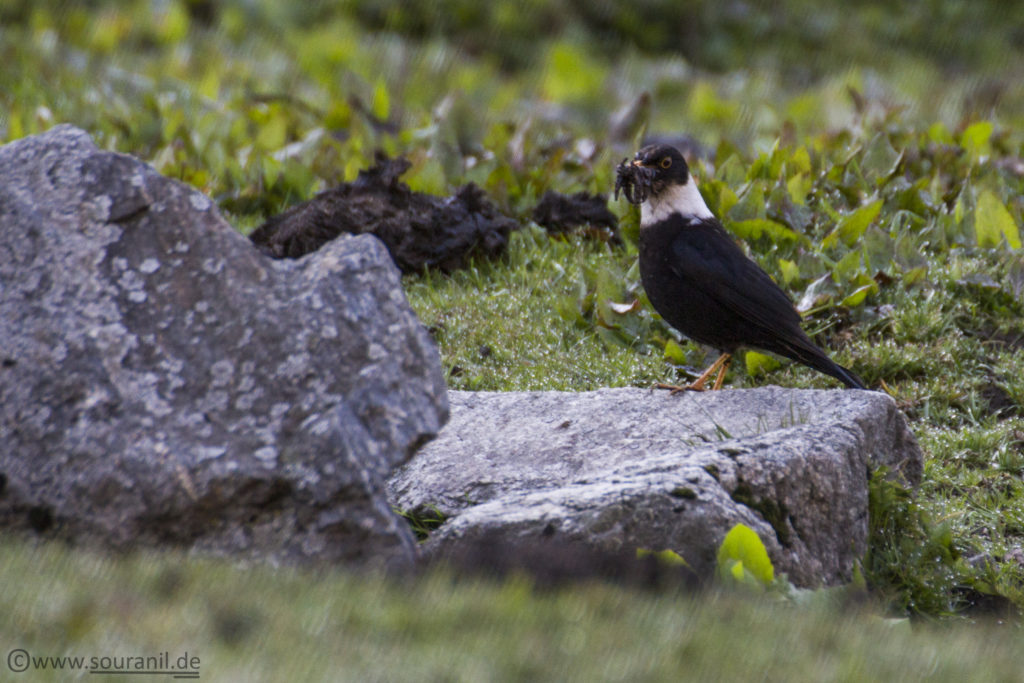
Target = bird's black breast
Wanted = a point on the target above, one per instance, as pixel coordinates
(702, 284)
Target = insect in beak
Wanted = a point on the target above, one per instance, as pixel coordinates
(634, 180)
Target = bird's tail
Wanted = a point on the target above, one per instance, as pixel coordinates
(811, 356)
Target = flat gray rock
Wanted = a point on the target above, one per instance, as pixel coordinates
(631, 468)
(163, 382)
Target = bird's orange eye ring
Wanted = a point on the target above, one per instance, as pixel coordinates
(666, 162)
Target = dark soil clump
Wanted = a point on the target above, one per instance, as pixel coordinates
(419, 230)
(559, 213)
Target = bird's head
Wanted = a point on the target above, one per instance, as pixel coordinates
(659, 179)
(667, 165)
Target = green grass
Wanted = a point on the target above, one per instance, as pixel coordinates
(880, 183)
(526, 323)
(264, 624)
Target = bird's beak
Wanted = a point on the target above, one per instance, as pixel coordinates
(637, 162)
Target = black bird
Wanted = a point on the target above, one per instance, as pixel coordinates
(698, 278)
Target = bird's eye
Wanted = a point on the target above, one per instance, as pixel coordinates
(666, 162)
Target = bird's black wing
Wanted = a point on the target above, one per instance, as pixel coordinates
(706, 256)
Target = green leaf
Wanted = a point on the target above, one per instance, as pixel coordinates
(879, 249)
(742, 555)
(666, 557)
(706, 106)
(975, 140)
(790, 271)
(880, 159)
(856, 298)
(339, 116)
(853, 225)
(171, 25)
(799, 186)
(992, 222)
(570, 74)
(760, 363)
(806, 110)
(915, 275)
(719, 196)
(755, 228)
(726, 199)
(751, 203)
(428, 178)
(848, 266)
(381, 102)
(271, 170)
(674, 353)
(939, 133)
(273, 133)
(799, 162)
(731, 171)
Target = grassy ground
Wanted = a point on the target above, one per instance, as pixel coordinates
(261, 624)
(880, 182)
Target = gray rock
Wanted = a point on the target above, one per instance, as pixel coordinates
(630, 468)
(163, 382)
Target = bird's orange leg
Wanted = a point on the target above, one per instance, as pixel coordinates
(722, 370)
(719, 366)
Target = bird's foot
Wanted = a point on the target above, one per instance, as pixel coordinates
(720, 366)
(674, 389)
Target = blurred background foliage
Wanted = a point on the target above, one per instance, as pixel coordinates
(870, 154)
(261, 103)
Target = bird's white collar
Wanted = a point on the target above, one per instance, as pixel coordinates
(682, 199)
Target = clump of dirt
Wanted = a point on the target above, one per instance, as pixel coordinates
(419, 230)
(559, 213)
(999, 400)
